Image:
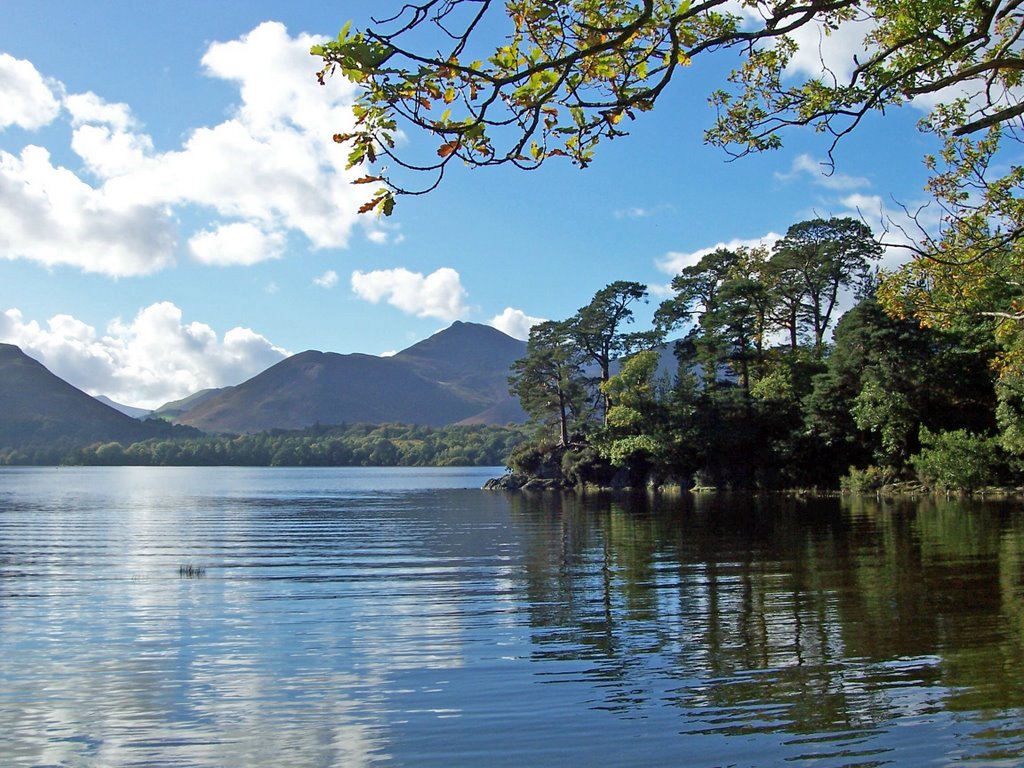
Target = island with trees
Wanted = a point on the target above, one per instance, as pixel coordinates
(773, 389)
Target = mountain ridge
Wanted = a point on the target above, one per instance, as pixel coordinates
(457, 375)
(38, 409)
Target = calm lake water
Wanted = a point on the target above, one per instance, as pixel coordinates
(255, 617)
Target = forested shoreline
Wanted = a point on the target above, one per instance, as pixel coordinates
(355, 445)
(771, 386)
(774, 390)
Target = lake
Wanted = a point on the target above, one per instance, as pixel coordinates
(349, 617)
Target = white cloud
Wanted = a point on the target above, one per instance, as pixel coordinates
(49, 215)
(382, 231)
(153, 359)
(515, 323)
(639, 212)
(674, 262)
(328, 279)
(236, 243)
(897, 227)
(272, 166)
(90, 108)
(26, 98)
(806, 166)
(439, 294)
(829, 54)
(661, 290)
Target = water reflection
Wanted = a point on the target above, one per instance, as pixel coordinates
(805, 617)
(352, 619)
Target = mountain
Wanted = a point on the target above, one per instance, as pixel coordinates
(127, 410)
(172, 410)
(459, 375)
(469, 358)
(39, 409)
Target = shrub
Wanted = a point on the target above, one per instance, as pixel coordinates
(957, 460)
(586, 466)
(541, 459)
(871, 478)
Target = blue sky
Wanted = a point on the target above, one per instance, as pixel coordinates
(174, 215)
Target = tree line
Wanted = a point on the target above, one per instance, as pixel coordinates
(769, 386)
(353, 445)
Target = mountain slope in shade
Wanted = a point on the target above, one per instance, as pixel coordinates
(457, 375)
(38, 408)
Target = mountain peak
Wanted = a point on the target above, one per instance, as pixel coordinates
(469, 342)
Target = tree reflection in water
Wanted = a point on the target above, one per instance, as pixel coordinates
(806, 616)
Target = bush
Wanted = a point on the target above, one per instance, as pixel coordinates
(871, 478)
(586, 467)
(541, 460)
(957, 461)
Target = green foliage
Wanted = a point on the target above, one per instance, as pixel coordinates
(957, 460)
(583, 466)
(887, 376)
(741, 413)
(1010, 411)
(549, 381)
(634, 431)
(815, 261)
(596, 329)
(886, 412)
(541, 459)
(871, 478)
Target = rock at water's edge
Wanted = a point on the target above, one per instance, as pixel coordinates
(508, 482)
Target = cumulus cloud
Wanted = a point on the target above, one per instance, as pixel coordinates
(439, 294)
(26, 98)
(515, 323)
(90, 108)
(236, 243)
(152, 359)
(328, 279)
(674, 262)
(49, 215)
(896, 226)
(828, 54)
(805, 166)
(269, 169)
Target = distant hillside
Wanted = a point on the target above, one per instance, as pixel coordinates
(172, 410)
(127, 410)
(38, 409)
(459, 375)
